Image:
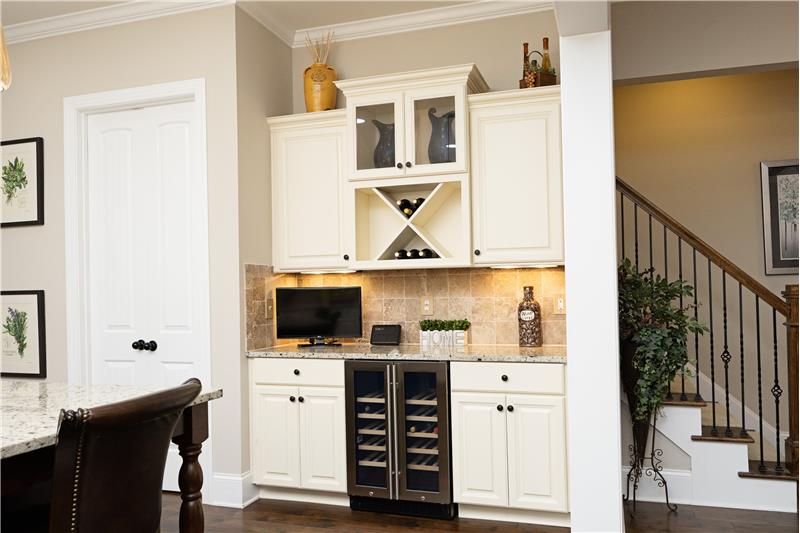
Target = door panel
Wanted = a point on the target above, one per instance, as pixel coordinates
(323, 461)
(375, 129)
(479, 449)
(537, 475)
(276, 436)
(435, 130)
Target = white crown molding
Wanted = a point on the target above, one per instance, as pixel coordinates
(421, 20)
(265, 18)
(100, 17)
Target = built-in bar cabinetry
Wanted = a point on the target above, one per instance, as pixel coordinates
(485, 169)
(509, 436)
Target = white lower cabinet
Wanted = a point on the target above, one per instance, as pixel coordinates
(509, 443)
(297, 430)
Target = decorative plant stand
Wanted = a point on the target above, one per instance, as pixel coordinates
(653, 470)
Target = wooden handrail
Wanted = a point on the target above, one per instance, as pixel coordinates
(703, 247)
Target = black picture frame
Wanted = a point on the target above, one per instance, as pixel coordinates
(780, 236)
(39, 220)
(42, 335)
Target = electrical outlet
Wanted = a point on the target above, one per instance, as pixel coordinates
(426, 305)
(270, 306)
(560, 305)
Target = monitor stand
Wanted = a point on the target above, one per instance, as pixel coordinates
(319, 341)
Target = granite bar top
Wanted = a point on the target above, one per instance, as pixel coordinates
(29, 410)
(553, 353)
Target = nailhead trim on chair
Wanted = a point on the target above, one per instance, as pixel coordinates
(82, 415)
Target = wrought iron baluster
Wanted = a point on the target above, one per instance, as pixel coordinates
(680, 277)
(743, 432)
(726, 355)
(776, 393)
(697, 395)
(636, 233)
(666, 277)
(762, 467)
(622, 220)
(650, 241)
(711, 352)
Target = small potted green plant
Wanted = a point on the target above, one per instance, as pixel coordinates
(443, 333)
(653, 329)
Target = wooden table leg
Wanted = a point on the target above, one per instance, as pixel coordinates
(191, 431)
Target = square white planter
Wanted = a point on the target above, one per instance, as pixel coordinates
(443, 339)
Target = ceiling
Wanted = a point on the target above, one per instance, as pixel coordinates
(292, 15)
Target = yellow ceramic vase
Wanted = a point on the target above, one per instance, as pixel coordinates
(320, 92)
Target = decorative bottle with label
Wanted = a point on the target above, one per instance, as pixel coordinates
(530, 319)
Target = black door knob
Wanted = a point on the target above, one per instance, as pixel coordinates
(296, 372)
(138, 345)
(346, 257)
(301, 399)
(152, 346)
(408, 164)
(510, 408)
(291, 399)
(399, 165)
(499, 407)
(504, 377)
(477, 252)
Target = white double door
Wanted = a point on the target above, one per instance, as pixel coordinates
(146, 237)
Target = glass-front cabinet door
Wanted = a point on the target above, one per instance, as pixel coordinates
(435, 130)
(369, 429)
(422, 425)
(377, 136)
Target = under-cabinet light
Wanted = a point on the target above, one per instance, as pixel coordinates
(546, 265)
(316, 272)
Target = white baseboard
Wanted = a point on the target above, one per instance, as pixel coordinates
(302, 495)
(233, 490)
(679, 483)
(504, 514)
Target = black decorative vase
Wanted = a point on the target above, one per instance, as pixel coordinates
(442, 147)
(384, 151)
(630, 376)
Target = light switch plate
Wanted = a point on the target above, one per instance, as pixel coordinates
(426, 305)
(270, 307)
(559, 305)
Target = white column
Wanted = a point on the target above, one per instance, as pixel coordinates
(591, 283)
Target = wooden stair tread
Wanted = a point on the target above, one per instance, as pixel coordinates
(769, 473)
(690, 401)
(736, 435)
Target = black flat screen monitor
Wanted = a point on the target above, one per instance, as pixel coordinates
(318, 312)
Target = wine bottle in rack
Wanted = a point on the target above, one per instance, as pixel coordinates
(401, 254)
(418, 202)
(414, 254)
(427, 253)
(406, 207)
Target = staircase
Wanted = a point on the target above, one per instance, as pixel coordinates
(730, 409)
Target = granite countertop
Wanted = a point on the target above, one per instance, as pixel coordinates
(553, 353)
(29, 410)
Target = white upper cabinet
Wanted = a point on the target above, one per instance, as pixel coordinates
(308, 176)
(515, 171)
(409, 124)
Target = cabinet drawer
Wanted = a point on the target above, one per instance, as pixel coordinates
(537, 378)
(325, 373)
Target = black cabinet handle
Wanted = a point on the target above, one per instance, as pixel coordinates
(510, 408)
(296, 372)
(346, 257)
(399, 165)
(499, 407)
(291, 399)
(408, 164)
(477, 252)
(504, 377)
(138, 345)
(301, 399)
(151, 346)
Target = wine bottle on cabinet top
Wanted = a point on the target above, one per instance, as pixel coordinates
(530, 319)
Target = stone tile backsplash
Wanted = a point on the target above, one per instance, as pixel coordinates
(487, 297)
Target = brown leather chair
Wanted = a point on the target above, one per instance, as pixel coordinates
(109, 463)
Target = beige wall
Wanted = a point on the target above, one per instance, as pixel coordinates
(263, 88)
(199, 44)
(653, 39)
(494, 45)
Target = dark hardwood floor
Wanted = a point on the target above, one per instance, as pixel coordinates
(291, 517)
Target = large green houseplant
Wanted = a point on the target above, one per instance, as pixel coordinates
(653, 331)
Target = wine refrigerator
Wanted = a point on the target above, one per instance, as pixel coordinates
(398, 438)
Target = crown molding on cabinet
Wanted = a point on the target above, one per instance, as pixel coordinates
(102, 16)
(425, 19)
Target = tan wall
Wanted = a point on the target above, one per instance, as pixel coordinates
(263, 88)
(675, 38)
(199, 44)
(494, 45)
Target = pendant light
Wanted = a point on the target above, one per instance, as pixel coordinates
(5, 66)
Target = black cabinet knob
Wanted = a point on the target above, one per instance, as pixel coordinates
(291, 399)
(408, 164)
(138, 345)
(399, 165)
(296, 372)
(477, 252)
(346, 257)
(499, 407)
(151, 346)
(504, 377)
(510, 408)
(301, 399)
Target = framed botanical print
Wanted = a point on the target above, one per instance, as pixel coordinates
(779, 208)
(22, 334)
(22, 180)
